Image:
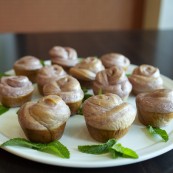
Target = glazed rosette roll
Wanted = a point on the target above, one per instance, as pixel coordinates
(107, 116)
(27, 66)
(115, 59)
(15, 90)
(63, 56)
(45, 120)
(69, 89)
(155, 108)
(86, 70)
(48, 74)
(145, 78)
(112, 80)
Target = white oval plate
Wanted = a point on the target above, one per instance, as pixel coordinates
(76, 134)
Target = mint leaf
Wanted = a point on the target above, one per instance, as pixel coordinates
(3, 109)
(157, 131)
(116, 150)
(20, 142)
(86, 96)
(79, 111)
(85, 90)
(42, 62)
(128, 75)
(113, 153)
(80, 59)
(97, 149)
(55, 147)
(119, 150)
(3, 74)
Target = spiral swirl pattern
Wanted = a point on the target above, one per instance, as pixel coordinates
(160, 100)
(108, 112)
(115, 59)
(112, 80)
(68, 88)
(48, 113)
(64, 56)
(45, 120)
(15, 86)
(146, 78)
(49, 73)
(87, 68)
(28, 63)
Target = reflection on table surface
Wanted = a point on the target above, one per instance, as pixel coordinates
(141, 47)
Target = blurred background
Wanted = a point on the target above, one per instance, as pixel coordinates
(70, 18)
(84, 15)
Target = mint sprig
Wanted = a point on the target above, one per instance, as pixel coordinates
(86, 96)
(3, 109)
(116, 150)
(55, 147)
(85, 90)
(158, 131)
(4, 74)
(97, 149)
(42, 62)
(128, 75)
(79, 111)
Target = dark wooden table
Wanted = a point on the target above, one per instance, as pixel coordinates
(149, 47)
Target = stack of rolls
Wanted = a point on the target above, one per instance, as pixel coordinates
(112, 80)
(86, 70)
(69, 89)
(48, 74)
(64, 56)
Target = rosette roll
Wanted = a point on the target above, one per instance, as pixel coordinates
(115, 59)
(69, 89)
(112, 80)
(63, 56)
(45, 120)
(145, 78)
(155, 108)
(86, 70)
(48, 74)
(27, 66)
(107, 116)
(15, 90)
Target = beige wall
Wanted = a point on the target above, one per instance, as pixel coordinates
(151, 14)
(69, 15)
(158, 14)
